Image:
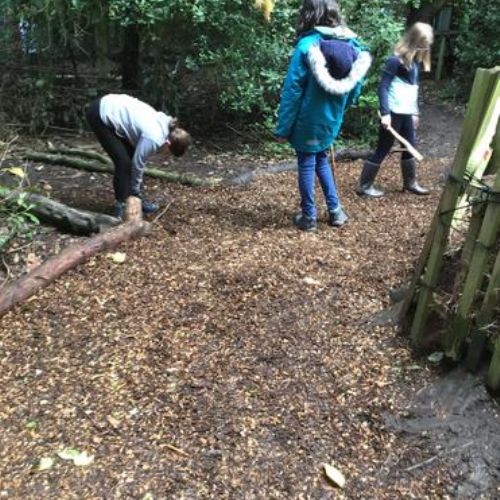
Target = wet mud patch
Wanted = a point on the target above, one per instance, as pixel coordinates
(453, 423)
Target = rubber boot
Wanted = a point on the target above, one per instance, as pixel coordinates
(408, 170)
(366, 187)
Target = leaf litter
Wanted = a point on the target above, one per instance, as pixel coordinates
(234, 336)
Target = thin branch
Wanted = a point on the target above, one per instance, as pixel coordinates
(435, 457)
(162, 213)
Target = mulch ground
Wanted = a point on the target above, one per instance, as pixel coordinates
(229, 356)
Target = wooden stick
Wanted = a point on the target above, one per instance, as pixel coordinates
(162, 213)
(411, 149)
(334, 165)
(173, 448)
(435, 457)
(133, 209)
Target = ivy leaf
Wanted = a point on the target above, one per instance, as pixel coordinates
(31, 425)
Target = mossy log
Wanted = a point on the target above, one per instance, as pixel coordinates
(57, 214)
(108, 168)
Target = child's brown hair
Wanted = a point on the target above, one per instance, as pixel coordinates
(318, 13)
(179, 139)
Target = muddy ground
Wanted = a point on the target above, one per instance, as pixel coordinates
(230, 356)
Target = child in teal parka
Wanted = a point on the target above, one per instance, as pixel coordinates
(313, 103)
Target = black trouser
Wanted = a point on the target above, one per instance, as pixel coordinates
(119, 150)
(403, 124)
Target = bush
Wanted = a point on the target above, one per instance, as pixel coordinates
(379, 25)
(478, 43)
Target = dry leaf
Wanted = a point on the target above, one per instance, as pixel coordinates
(78, 457)
(311, 281)
(32, 261)
(17, 171)
(83, 459)
(113, 421)
(334, 475)
(118, 257)
(45, 463)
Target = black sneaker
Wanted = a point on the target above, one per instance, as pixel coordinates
(304, 223)
(149, 207)
(119, 209)
(338, 217)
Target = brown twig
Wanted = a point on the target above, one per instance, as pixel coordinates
(17, 249)
(7, 277)
(7, 147)
(435, 457)
(162, 213)
(173, 448)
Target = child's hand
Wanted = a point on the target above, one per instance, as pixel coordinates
(385, 121)
(416, 121)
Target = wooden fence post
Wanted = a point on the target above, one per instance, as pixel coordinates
(478, 118)
(487, 238)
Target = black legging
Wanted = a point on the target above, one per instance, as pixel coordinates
(119, 150)
(403, 124)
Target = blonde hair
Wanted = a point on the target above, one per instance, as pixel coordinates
(410, 47)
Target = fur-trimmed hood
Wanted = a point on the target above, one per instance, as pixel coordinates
(317, 64)
(341, 32)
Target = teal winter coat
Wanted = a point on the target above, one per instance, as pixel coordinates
(313, 103)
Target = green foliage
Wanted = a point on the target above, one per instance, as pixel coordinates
(379, 25)
(225, 62)
(16, 218)
(478, 43)
(211, 62)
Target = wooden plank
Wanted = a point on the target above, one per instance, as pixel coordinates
(440, 62)
(487, 238)
(494, 164)
(493, 378)
(468, 247)
(485, 321)
(485, 84)
(419, 269)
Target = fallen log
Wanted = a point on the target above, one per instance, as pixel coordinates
(62, 216)
(108, 168)
(76, 254)
(84, 153)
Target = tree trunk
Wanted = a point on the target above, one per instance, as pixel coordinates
(425, 13)
(51, 269)
(130, 58)
(60, 215)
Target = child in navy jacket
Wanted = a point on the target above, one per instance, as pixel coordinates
(398, 104)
